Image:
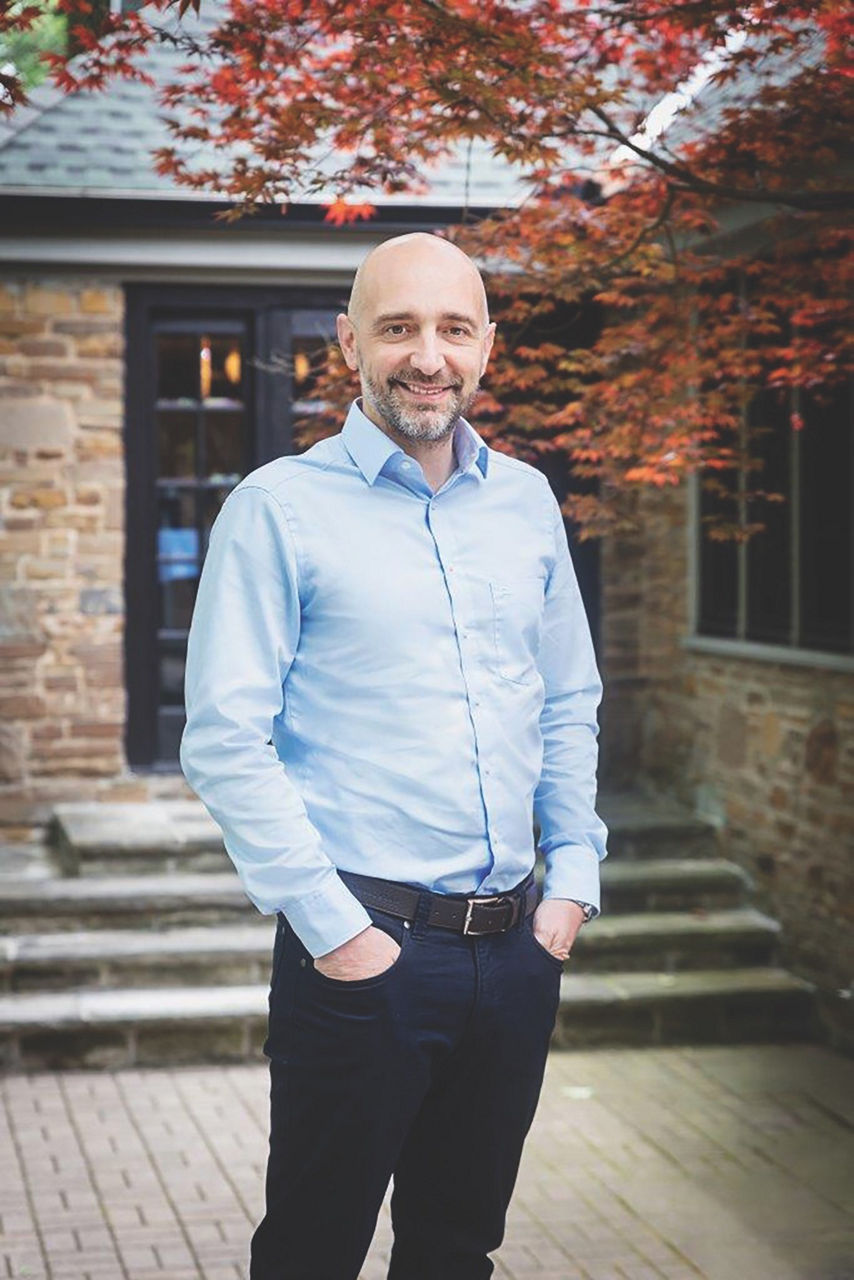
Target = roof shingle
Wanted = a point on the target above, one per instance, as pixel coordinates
(101, 144)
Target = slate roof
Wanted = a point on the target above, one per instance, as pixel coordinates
(100, 144)
(773, 70)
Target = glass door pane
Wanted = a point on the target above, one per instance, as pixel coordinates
(204, 448)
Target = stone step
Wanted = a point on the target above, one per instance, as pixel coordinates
(29, 861)
(127, 839)
(179, 835)
(94, 902)
(204, 956)
(156, 1026)
(641, 828)
(227, 1024)
(672, 941)
(674, 884)
(122, 901)
(710, 1006)
(240, 953)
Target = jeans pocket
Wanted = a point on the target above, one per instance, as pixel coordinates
(397, 930)
(538, 946)
(277, 962)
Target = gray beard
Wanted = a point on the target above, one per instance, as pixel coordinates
(418, 425)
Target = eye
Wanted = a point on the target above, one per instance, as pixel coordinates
(395, 330)
(458, 331)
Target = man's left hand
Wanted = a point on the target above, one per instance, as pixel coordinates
(556, 923)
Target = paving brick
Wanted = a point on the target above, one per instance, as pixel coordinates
(652, 1164)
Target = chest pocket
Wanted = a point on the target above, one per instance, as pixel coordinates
(517, 616)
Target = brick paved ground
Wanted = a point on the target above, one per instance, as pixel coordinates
(724, 1163)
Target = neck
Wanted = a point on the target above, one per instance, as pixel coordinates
(436, 457)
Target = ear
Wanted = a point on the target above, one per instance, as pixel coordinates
(488, 340)
(347, 340)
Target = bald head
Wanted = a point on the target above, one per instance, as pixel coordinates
(418, 332)
(415, 254)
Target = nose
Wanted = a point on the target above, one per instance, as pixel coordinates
(426, 357)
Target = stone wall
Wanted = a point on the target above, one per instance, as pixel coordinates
(766, 749)
(62, 700)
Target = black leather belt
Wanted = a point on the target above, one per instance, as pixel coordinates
(471, 916)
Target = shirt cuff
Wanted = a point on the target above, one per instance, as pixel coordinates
(572, 871)
(328, 918)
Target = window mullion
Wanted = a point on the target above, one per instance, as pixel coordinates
(741, 610)
(795, 526)
(741, 560)
(851, 514)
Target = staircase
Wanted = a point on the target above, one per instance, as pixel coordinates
(678, 955)
(133, 944)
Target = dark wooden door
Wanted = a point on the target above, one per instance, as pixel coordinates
(212, 380)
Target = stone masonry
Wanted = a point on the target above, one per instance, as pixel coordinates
(764, 749)
(62, 700)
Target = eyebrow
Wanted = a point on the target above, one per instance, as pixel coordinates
(394, 317)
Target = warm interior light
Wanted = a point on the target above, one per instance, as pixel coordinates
(231, 365)
(302, 366)
(205, 367)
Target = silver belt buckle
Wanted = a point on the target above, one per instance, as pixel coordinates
(471, 903)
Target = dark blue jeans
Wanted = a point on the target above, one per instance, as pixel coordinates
(429, 1072)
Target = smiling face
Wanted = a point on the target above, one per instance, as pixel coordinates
(418, 332)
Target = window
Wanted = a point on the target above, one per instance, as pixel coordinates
(791, 584)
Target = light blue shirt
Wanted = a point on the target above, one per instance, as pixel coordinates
(392, 681)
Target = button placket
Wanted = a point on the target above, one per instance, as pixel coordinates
(468, 653)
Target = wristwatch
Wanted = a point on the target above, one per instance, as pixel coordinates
(588, 908)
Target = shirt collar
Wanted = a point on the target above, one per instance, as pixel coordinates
(370, 448)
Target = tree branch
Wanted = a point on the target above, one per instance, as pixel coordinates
(686, 179)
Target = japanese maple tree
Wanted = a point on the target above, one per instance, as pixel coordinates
(637, 326)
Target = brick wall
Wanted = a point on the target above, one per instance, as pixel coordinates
(764, 748)
(62, 701)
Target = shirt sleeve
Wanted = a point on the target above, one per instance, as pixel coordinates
(572, 836)
(243, 638)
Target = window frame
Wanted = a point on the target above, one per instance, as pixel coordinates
(740, 645)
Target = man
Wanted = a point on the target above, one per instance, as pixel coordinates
(389, 672)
